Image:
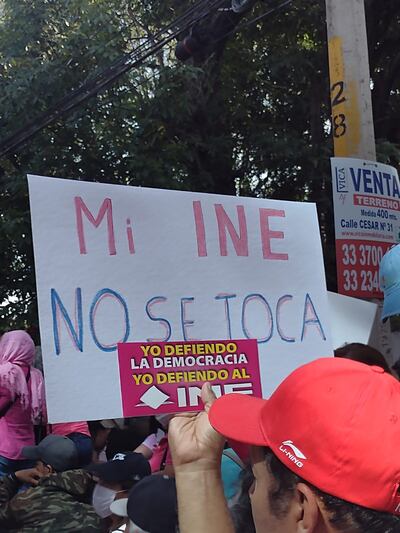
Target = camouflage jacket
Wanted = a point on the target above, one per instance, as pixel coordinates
(59, 504)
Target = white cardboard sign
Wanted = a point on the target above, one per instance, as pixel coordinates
(116, 264)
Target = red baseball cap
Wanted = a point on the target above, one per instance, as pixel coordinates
(333, 422)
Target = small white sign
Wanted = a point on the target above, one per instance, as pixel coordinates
(366, 198)
(352, 320)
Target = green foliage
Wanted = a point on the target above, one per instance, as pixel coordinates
(252, 119)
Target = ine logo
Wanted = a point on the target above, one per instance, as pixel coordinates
(294, 454)
(341, 182)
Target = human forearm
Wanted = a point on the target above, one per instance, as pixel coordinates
(196, 450)
(201, 502)
(144, 450)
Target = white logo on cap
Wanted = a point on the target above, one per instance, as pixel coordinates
(297, 453)
(119, 457)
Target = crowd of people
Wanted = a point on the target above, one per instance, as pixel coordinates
(319, 456)
(82, 476)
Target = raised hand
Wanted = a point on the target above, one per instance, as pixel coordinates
(192, 439)
(196, 453)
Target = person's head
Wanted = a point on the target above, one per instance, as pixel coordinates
(120, 440)
(17, 352)
(364, 354)
(324, 449)
(17, 347)
(54, 453)
(99, 435)
(115, 478)
(151, 506)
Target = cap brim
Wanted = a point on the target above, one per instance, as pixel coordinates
(31, 452)
(391, 302)
(120, 507)
(238, 417)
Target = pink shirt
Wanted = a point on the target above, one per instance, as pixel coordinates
(161, 456)
(69, 427)
(158, 444)
(16, 428)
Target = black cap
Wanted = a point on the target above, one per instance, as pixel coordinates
(54, 450)
(152, 504)
(122, 467)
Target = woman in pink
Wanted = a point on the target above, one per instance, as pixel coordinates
(21, 399)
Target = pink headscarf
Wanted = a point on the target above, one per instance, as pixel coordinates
(17, 350)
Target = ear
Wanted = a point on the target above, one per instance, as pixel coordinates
(309, 517)
(50, 469)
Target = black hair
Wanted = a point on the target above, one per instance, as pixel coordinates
(120, 440)
(363, 353)
(154, 425)
(241, 511)
(344, 516)
(94, 427)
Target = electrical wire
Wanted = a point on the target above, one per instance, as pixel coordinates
(107, 77)
(242, 26)
(135, 58)
(263, 15)
(254, 20)
(145, 40)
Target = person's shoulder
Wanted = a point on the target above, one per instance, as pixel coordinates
(72, 481)
(56, 505)
(74, 517)
(28, 501)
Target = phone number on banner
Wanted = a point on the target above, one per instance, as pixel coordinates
(358, 267)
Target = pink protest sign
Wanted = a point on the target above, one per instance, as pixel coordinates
(166, 377)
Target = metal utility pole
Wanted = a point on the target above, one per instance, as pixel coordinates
(352, 124)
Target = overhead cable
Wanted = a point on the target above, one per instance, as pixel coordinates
(107, 77)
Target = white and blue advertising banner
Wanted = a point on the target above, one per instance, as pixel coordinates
(129, 264)
(366, 198)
